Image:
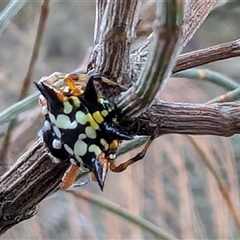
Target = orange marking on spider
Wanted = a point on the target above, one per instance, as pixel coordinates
(114, 145)
(69, 81)
(60, 96)
(70, 176)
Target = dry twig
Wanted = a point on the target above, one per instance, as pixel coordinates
(207, 55)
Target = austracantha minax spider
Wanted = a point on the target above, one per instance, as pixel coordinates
(81, 127)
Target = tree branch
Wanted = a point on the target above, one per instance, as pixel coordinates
(221, 119)
(194, 58)
(161, 59)
(195, 14)
(34, 175)
(115, 24)
(207, 55)
(28, 181)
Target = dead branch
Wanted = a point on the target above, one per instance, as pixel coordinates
(114, 33)
(207, 55)
(194, 16)
(220, 119)
(26, 183)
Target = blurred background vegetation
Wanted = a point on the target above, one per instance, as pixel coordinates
(171, 187)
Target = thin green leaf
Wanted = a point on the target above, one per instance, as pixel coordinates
(17, 108)
(210, 76)
(114, 208)
(9, 12)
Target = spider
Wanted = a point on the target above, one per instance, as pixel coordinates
(83, 128)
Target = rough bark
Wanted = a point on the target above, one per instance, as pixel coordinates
(207, 55)
(199, 119)
(26, 183)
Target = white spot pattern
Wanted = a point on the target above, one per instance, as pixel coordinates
(104, 143)
(94, 148)
(73, 161)
(67, 107)
(73, 125)
(57, 131)
(79, 160)
(56, 144)
(112, 156)
(52, 117)
(80, 148)
(62, 121)
(44, 110)
(81, 117)
(68, 149)
(46, 125)
(82, 136)
(90, 132)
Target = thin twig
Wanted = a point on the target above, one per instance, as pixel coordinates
(197, 12)
(19, 107)
(36, 47)
(216, 78)
(227, 97)
(191, 59)
(27, 79)
(114, 208)
(209, 75)
(220, 182)
(160, 61)
(208, 55)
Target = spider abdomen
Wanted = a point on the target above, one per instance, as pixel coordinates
(82, 129)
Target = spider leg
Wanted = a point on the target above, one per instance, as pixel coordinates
(99, 77)
(70, 176)
(124, 165)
